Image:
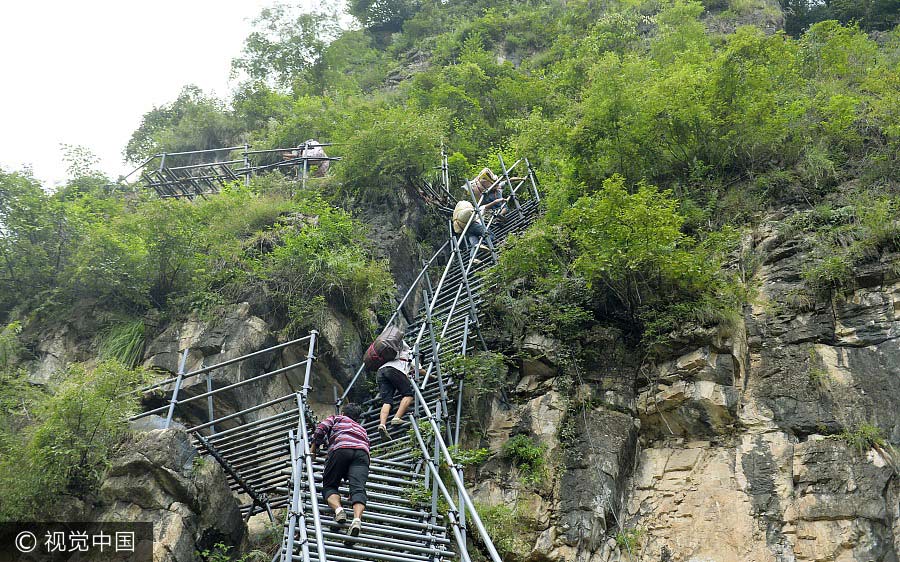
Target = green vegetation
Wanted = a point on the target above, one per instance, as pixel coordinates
(123, 342)
(484, 372)
(818, 373)
(173, 256)
(10, 346)
(221, 552)
(628, 251)
(870, 14)
(844, 232)
(469, 457)
(508, 527)
(863, 437)
(657, 141)
(60, 444)
(629, 539)
(420, 496)
(527, 457)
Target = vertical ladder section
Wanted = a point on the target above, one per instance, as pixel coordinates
(413, 514)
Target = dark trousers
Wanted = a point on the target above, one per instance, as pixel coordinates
(475, 232)
(392, 382)
(352, 464)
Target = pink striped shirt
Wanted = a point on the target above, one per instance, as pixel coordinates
(342, 433)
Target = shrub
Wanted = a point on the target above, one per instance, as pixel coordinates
(420, 496)
(484, 371)
(10, 346)
(469, 457)
(856, 229)
(508, 528)
(863, 437)
(527, 457)
(386, 149)
(623, 258)
(629, 539)
(319, 252)
(68, 449)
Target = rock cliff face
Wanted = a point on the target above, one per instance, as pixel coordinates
(160, 479)
(751, 442)
(746, 442)
(239, 332)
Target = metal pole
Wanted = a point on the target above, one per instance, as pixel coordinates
(305, 165)
(304, 447)
(311, 479)
(296, 511)
(209, 402)
(437, 292)
(432, 466)
(224, 363)
(531, 177)
(219, 390)
(473, 311)
(409, 291)
(460, 390)
(434, 489)
(512, 191)
(483, 222)
(434, 357)
(247, 164)
(334, 392)
(488, 543)
(174, 399)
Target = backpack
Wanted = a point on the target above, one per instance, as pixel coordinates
(385, 348)
(461, 215)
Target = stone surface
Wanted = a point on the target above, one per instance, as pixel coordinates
(237, 333)
(733, 445)
(157, 480)
(55, 351)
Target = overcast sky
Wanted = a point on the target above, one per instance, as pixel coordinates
(84, 72)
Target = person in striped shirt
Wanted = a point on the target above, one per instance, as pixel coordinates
(348, 457)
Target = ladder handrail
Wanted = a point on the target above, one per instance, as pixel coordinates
(304, 453)
(205, 370)
(393, 317)
(438, 413)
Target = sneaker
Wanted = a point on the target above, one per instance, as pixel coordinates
(397, 422)
(354, 529)
(382, 429)
(476, 261)
(340, 516)
(484, 247)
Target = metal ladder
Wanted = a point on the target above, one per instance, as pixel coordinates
(400, 525)
(415, 514)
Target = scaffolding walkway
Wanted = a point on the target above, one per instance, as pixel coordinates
(419, 509)
(200, 173)
(417, 513)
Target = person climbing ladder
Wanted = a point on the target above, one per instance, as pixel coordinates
(348, 457)
(393, 378)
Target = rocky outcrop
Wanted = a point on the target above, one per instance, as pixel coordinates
(757, 445)
(55, 350)
(159, 478)
(755, 441)
(238, 332)
(725, 16)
